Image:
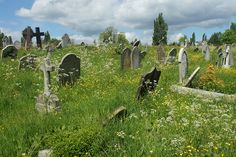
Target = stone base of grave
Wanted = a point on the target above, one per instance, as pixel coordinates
(46, 104)
(203, 94)
(45, 153)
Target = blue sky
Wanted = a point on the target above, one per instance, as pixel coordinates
(84, 19)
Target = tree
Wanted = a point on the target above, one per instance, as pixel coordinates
(193, 39)
(160, 31)
(183, 40)
(47, 37)
(204, 37)
(121, 39)
(233, 26)
(215, 39)
(10, 40)
(1, 37)
(22, 40)
(228, 37)
(108, 36)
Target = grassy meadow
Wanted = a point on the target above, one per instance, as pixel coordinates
(162, 124)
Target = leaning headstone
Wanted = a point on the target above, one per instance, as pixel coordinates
(148, 82)
(183, 64)
(228, 59)
(65, 40)
(161, 56)
(135, 58)
(171, 56)
(136, 43)
(45, 153)
(120, 112)
(59, 45)
(38, 35)
(191, 78)
(9, 51)
(69, 69)
(28, 62)
(17, 44)
(28, 34)
(126, 59)
(47, 102)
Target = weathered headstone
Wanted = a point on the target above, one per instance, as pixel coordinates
(38, 35)
(148, 82)
(126, 59)
(136, 43)
(161, 56)
(9, 51)
(69, 69)
(135, 58)
(65, 40)
(28, 62)
(183, 64)
(206, 52)
(228, 57)
(190, 79)
(45, 153)
(17, 44)
(171, 56)
(28, 34)
(219, 61)
(120, 112)
(47, 102)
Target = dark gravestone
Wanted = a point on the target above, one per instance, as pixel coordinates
(38, 35)
(27, 62)
(9, 51)
(148, 82)
(69, 69)
(161, 56)
(135, 58)
(171, 56)
(136, 43)
(219, 61)
(126, 59)
(196, 49)
(28, 35)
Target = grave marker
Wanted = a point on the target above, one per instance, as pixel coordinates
(228, 57)
(171, 56)
(69, 69)
(28, 35)
(9, 51)
(126, 59)
(148, 82)
(135, 58)
(183, 64)
(65, 40)
(161, 56)
(38, 35)
(27, 62)
(190, 79)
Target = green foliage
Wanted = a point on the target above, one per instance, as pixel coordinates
(183, 40)
(121, 39)
(193, 39)
(47, 37)
(215, 39)
(204, 37)
(228, 37)
(10, 40)
(160, 31)
(233, 27)
(108, 35)
(1, 38)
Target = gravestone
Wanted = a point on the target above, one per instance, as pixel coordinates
(126, 59)
(135, 58)
(38, 35)
(171, 56)
(47, 102)
(69, 69)
(136, 43)
(28, 62)
(161, 56)
(228, 57)
(119, 113)
(9, 51)
(17, 44)
(206, 52)
(143, 54)
(65, 40)
(45, 153)
(219, 61)
(191, 78)
(28, 34)
(148, 82)
(183, 64)
(59, 45)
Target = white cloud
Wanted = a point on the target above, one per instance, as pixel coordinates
(175, 37)
(81, 38)
(90, 17)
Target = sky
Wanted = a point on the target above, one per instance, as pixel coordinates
(83, 20)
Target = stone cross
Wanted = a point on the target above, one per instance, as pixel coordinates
(38, 35)
(46, 67)
(28, 35)
(183, 64)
